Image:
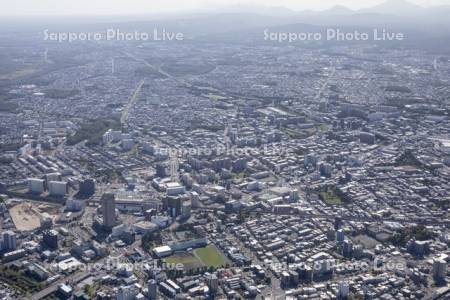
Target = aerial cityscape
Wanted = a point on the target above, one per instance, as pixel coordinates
(227, 154)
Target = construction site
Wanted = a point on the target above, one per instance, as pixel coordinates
(28, 215)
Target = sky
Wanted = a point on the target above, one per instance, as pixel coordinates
(108, 7)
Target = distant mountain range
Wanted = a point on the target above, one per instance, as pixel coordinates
(424, 26)
(389, 7)
(395, 7)
(392, 14)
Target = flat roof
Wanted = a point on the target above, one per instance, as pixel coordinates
(162, 249)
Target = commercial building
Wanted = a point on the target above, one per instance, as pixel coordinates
(162, 251)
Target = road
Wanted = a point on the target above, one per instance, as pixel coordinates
(158, 69)
(325, 84)
(72, 279)
(133, 99)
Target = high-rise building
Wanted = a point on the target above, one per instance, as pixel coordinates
(213, 283)
(347, 248)
(109, 210)
(152, 287)
(439, 269)
(337, 223)
(9, 241)
(293, 196)
(36, 186)
(367, 138)
(343, 291)
(186, 209)
(325, 169)
(161, 170)
(340, 235)
(87, 187)
(50, 238)
(52, 177)
(174, 205)
(57, 188)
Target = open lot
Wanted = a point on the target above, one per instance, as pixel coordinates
(366, 241)
(27, 215)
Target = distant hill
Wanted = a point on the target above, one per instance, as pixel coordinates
(338, 10)
(394, 7)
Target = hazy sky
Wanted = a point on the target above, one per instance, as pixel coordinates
(104, 7)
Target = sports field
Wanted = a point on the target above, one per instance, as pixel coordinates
(208, 256)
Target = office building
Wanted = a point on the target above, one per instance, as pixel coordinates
(9, 241)
(50, 239)
(439, 269)
(213, 283)
(340, 236)
(152, 289)
(109, 210)
(86, 187)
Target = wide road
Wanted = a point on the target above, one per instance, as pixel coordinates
(133, 99)
(325, 84)
(158, 69)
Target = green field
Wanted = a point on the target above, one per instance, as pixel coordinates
(188, 260)
(330, 198)
(215, 97)
(93, 131)
(19, 281)
(210, 256)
